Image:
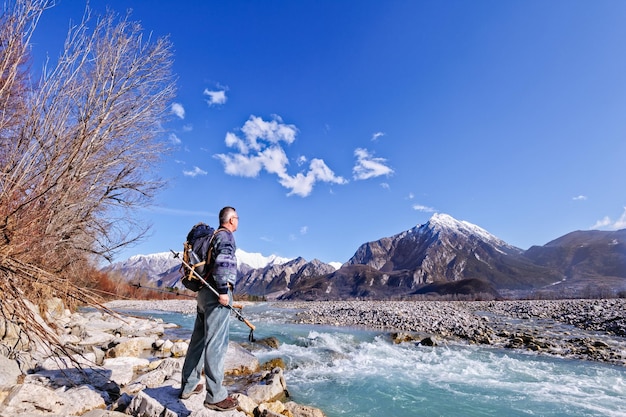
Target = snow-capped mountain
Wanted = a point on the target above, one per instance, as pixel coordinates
(433, 257)
(256, 260)
(155, 265)
(429, 246)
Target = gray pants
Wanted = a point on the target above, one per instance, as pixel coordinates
(208, 346)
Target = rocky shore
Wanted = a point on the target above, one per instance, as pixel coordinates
(578, 329)
(116, 365)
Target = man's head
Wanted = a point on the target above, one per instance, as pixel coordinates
(229, 218)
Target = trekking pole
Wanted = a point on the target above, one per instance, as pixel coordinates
(238, 314)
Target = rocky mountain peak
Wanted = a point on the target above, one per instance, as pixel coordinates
(446, 224)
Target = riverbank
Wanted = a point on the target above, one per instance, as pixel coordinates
(577, 329)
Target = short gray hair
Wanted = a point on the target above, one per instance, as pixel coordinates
(226, 213)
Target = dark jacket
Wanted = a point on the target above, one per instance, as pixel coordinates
(224, 260)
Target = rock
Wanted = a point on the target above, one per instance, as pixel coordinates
(428, 341)
(132, 347)
(273, 363)
(398, 338)
(54, 311)
(145, 406)
(179, 349)
(9, 373)
(104, 413)
(245, 403)
(271, 409)
(30, 399)
(64, 362)
(152, 379)
(271, 387)
(240, 361)
(81, 399)
(298, 410)
(96, 338)
(122, 370)
(39, 400)
(270, 342)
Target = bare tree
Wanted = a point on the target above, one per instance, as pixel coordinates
(78, 147)
(86, 145)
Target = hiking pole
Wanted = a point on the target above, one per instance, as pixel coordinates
(238, 314)
(176, 293)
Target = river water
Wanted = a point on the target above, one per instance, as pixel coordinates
(356, 372)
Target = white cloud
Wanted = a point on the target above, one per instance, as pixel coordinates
(385, 185)
(302, 184)
(215, 97)
(369, 167)
(425, 209)
(175, 139)
(411, 196)
(274, 131)
(301, 160)
(194, 172)
(233, 141)
(261, 149)
(178, 110)
(377, 136)
(580, 198)
(304, 230)
(607, 223)
(240, 165)
(187, 128)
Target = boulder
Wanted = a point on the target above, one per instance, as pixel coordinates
(104, 413)
(122, 370)
(240, 361)
(271, 387)
(134, 347)
(179, 349)
(146, 406)
(34, 399)
(9, 373)
(271, 409)
(298, 410)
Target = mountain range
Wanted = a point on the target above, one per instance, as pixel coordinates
(444, 256)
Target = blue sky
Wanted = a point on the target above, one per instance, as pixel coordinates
(328, 124)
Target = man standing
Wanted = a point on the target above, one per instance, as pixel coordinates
(209, 340)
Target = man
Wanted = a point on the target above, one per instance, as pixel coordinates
(209, 340)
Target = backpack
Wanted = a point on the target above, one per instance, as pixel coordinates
(196, 254)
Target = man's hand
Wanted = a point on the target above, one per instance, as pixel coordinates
(224, 299)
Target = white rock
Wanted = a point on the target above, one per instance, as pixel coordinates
(179, 349)
(31, 399)
(82, 399)
(64, 362)
(123, 369)
(298, 410)
(134, 346)
(146, 406)
(240, 360)
(96, 338)
(270, 388)
(9, 372)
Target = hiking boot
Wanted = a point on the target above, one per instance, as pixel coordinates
(229, 403)
(197, 390)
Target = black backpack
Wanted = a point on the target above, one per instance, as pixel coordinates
(196, 257)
